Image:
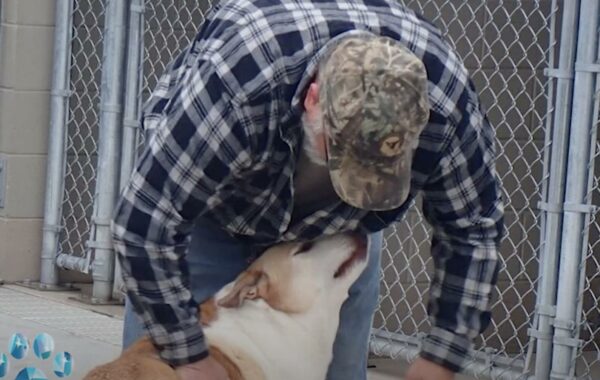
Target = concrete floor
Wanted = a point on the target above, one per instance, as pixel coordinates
(90, 333)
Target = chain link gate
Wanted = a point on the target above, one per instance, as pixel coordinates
(85, 117)
(510, 47)
(73, 158)
(82, 127)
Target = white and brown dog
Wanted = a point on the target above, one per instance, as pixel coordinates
(278, 316)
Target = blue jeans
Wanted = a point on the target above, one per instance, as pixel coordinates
(215, 259)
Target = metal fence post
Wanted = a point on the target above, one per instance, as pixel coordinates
(109, 148)
(133, 90)
(550, 237)
(132, 106)
(59, 108)
(533, 332)
(576, 208)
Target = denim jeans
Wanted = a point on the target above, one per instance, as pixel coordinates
(215, 259)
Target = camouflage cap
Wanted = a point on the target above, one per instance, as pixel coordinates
(375, 104)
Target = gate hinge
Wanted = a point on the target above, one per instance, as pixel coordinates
(137, 8)
(587, 67)
(558, 73)
(550, 207)
(583, 208)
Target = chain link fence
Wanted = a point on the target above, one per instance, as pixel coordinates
(589, 323)
(169, 28)
(81, 158)
(507, 45)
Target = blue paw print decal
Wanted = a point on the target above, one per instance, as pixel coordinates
(43, 348)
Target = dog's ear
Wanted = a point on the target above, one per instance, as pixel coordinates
(207, 312)
(249, 285)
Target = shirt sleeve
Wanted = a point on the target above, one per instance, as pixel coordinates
(462, 202)
(198, 147)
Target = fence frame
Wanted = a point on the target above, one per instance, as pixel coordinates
(575, 208)
(59, 108)
(111, 110)
(131, 109)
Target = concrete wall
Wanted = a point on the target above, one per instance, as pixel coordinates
(26, 49)
(26, 37)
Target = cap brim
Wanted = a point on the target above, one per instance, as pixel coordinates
(361, 185)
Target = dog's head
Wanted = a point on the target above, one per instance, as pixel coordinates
(293, 277)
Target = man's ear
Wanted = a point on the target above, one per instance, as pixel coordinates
(311, 100)
(249, 285)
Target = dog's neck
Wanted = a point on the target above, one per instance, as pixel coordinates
(299, 344)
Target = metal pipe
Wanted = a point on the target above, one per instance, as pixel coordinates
(590, 186)
(133, 89)
(59, 108)
(132, 107)
(555, 193)
(546, 167)
(109, 150)
(566, 342)
(72, 262)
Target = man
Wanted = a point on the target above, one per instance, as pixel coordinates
(288, 120)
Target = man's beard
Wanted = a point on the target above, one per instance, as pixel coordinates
(312, 129)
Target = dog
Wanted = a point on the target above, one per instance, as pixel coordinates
(276, 321)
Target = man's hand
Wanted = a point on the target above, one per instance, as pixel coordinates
(206, 369)
(423, 369)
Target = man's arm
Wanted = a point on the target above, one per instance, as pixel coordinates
(198, 146)
(462, 202)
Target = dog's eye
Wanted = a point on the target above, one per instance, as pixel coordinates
(305, 247)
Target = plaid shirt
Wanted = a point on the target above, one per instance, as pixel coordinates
(226, 132)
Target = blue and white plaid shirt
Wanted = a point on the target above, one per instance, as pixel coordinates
(225, 120)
